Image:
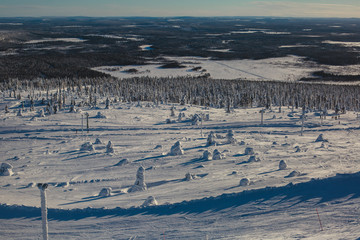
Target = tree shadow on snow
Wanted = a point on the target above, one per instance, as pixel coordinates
(312, 192)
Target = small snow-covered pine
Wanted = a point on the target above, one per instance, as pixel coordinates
(230, 137)
(41, 113)
(139, 184)
(249, 151)
(217, 155)
(195, 119)
(320, 138)
(19, 114)
(176, 149)
(282, 165)
(98, 141)
(100, 115)
(110, 148)
(211, 139)
(207, 155)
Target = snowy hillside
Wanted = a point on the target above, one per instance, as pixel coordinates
(199, 197)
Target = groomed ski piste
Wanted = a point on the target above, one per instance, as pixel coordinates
(101, 179)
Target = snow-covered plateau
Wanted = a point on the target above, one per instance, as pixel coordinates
(139, 172)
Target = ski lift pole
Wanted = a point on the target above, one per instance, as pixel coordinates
(43, 187)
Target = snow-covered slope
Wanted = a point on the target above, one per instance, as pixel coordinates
(47, 149)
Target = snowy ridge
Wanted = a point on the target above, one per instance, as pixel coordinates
(324, 190)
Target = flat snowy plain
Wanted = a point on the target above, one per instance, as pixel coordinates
(213, 205)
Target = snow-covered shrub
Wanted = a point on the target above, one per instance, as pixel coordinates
(122, 162)
(87, 147)
(230, 137)
(249, 151)
(297, 149)
(176, 149)
(100, 115)
(6, 169)
(139, 184)
(282, 165)
(210, 141)
(195, 119)
(320, 138)
(245, 182)
(253, 158)
(189, 177)
(207, 155)
(72, 109)
(98, 141)
(217, 155)
(109, 148)
(105, 192)
(241, 143)
(41, 113)
(172, 112)
(19, 114)
(181, 116)
(294, 174)
(150, 201)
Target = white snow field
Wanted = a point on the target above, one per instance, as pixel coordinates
(290, 68)
(210, 204)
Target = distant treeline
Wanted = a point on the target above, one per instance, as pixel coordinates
(199, 91)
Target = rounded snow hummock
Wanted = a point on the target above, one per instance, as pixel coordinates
(150, 201)
(294, 174)
(253, 158)
(245, 182)
(105, 192)
(6, 169)
(87, 147)
(282, 165)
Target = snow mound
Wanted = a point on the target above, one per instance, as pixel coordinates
(6, 169)
(150, 201)
(282, 165)
(105, 192)
(122, 162)
(294, 173)
(176, 149)
(245, 182)
(253, 158)
(100, 115)
(87, 147)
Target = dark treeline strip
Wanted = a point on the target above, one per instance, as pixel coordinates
(202, 91)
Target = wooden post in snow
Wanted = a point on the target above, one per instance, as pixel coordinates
(302, 124)
(87, 122)
(262, 116)
(43, 187)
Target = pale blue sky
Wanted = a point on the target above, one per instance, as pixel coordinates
(281, 8)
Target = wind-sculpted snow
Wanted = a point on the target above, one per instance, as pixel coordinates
(320, 190)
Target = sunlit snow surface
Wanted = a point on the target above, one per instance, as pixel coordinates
(48, 150)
